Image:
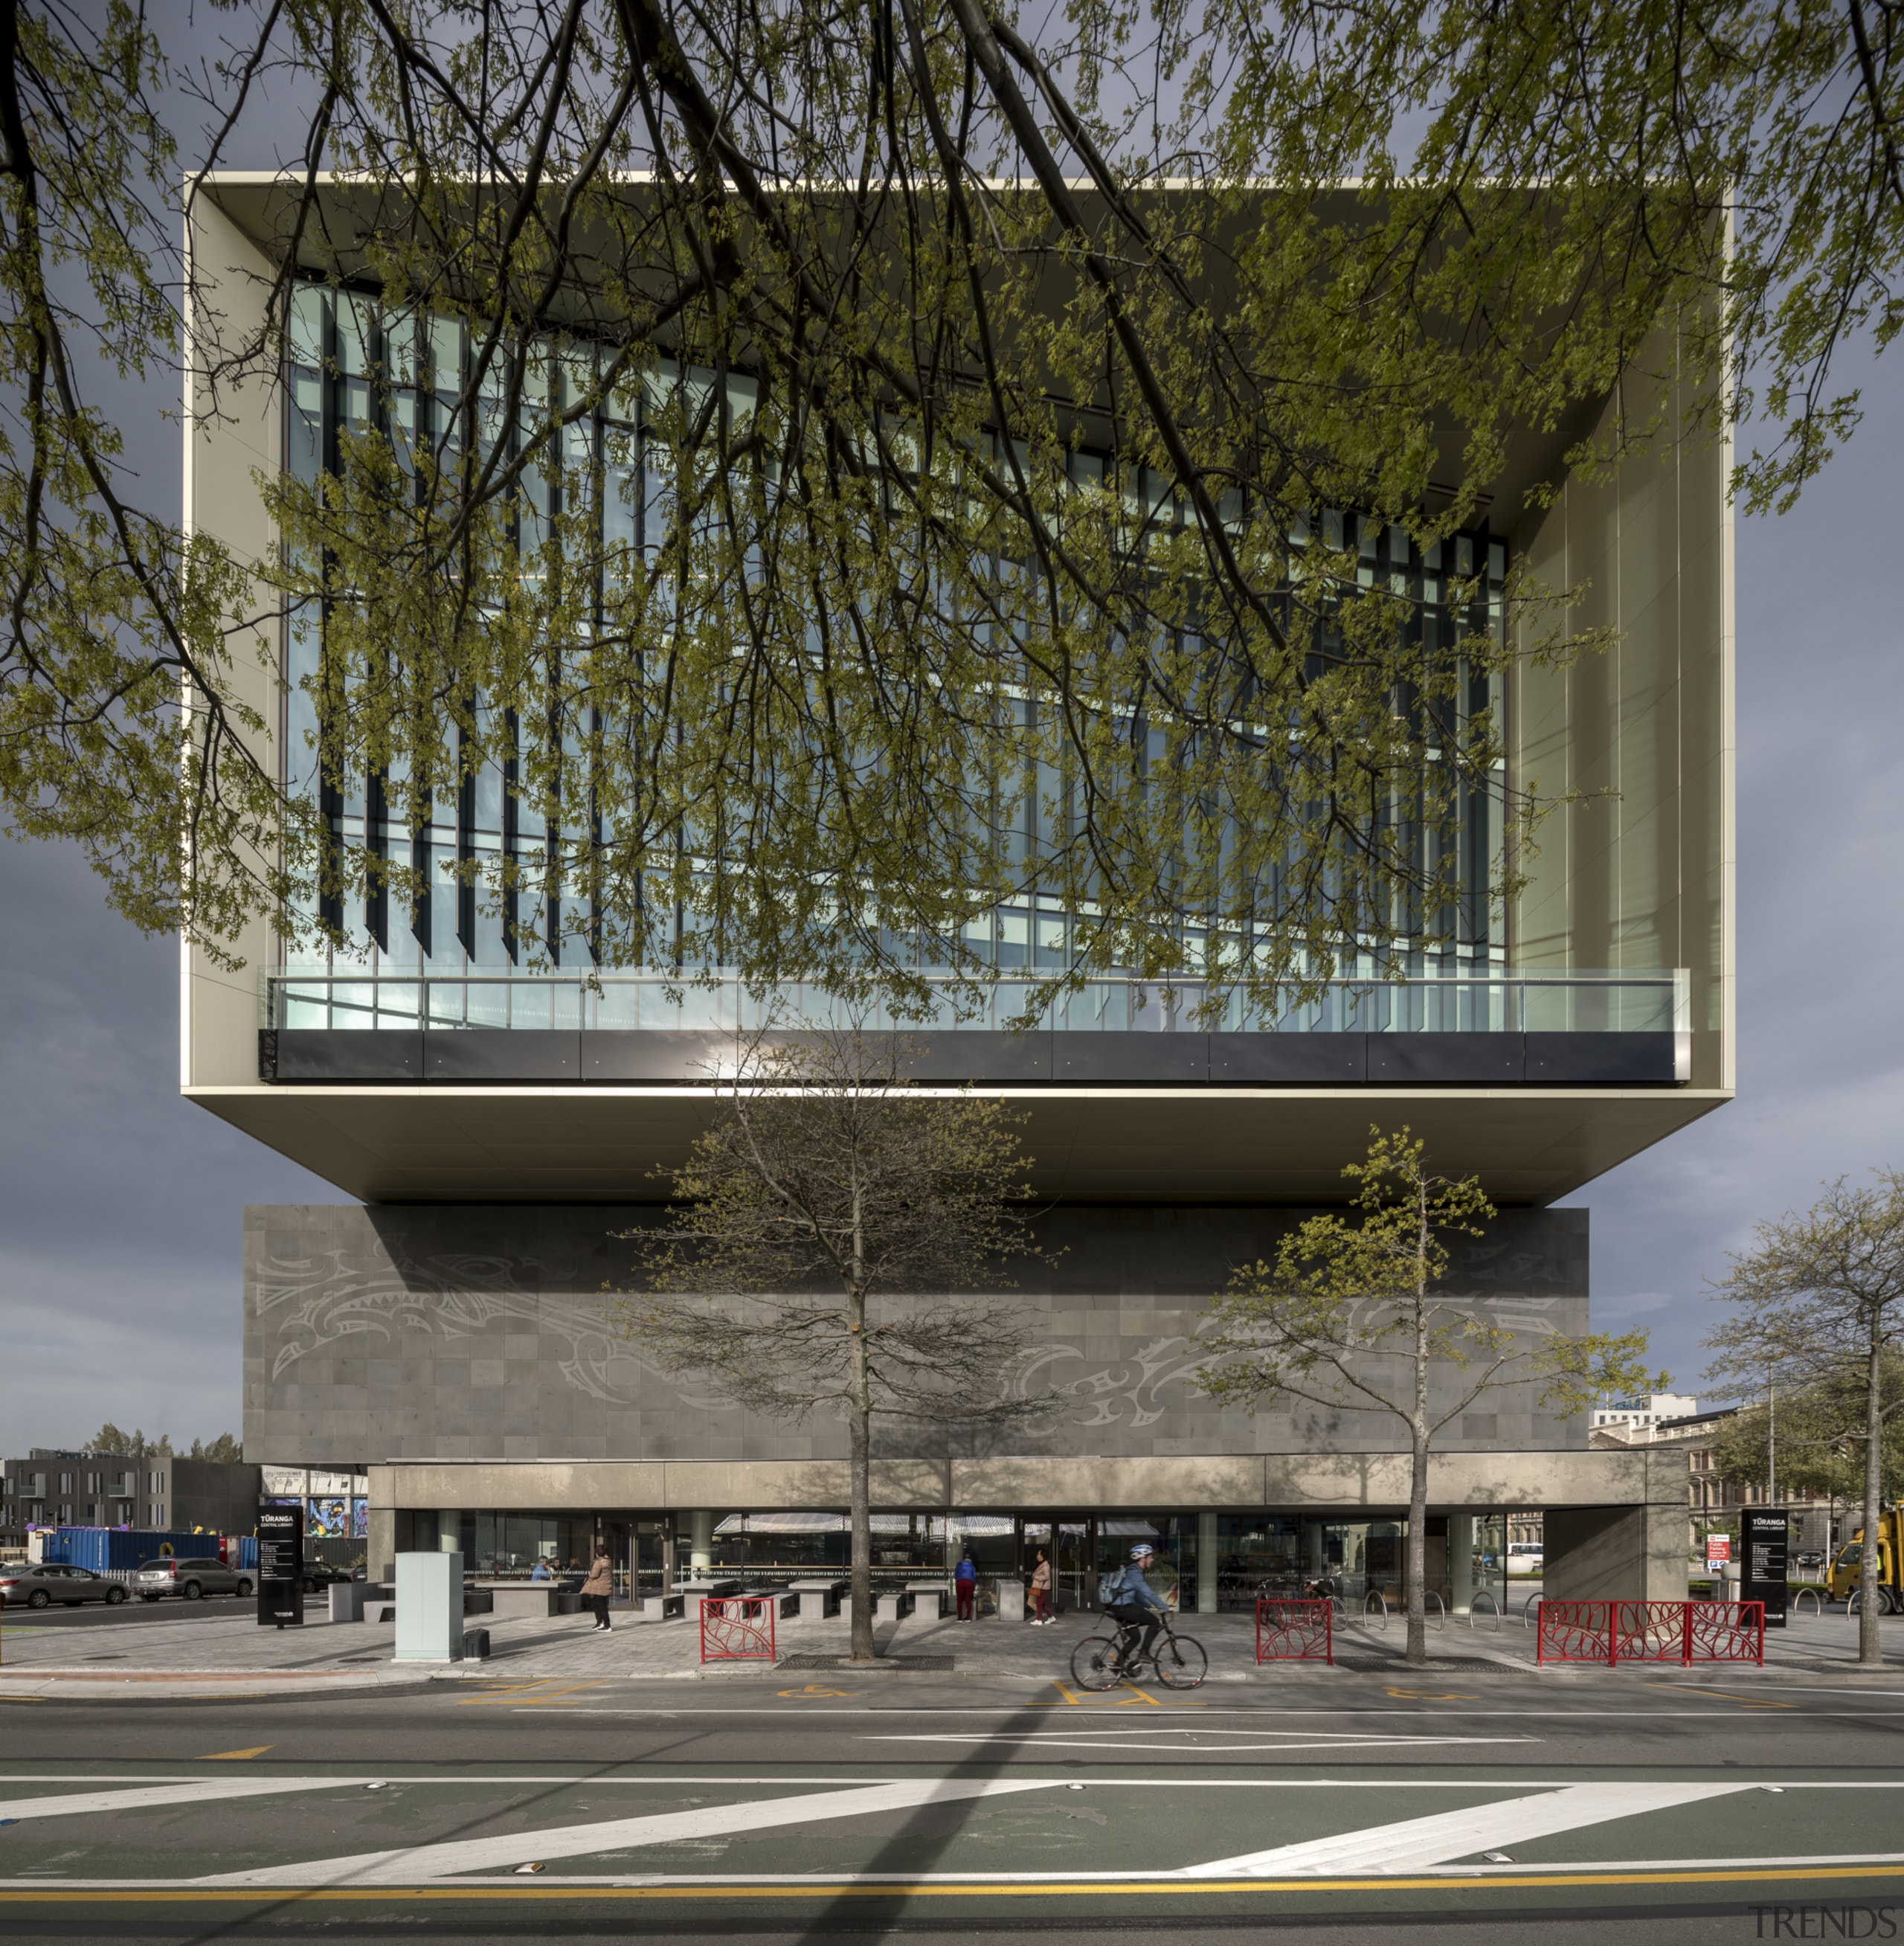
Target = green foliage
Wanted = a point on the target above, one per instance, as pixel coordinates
(1353, 1314)
(1817, 1308)
(890, 652)
(135, 1445)
(1816, 1436)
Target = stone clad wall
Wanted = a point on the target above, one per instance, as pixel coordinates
(479, 1331)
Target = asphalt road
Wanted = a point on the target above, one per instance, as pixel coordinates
(1336, 1807)
(170, 1608)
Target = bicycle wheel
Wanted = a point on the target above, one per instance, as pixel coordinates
(1181, 1663)
(1093, 1663)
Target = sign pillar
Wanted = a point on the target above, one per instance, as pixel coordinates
(1764, 1540)
(280, 1566)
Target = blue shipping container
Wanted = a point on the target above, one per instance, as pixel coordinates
(110, 1549)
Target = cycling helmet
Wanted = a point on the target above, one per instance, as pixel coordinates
(1142, 1551)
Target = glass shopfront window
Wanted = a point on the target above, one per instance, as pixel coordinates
(1255, 1554)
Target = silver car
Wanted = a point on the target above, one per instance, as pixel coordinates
(24, 1585)
(191, 1579)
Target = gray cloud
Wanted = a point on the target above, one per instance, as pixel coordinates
(1821, 919)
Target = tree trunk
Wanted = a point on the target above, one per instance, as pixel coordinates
(1416, 1577)
(1418, 1550)
(860, 1402)
(859, 1405)
(1870, 1594)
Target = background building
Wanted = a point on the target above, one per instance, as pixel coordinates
(1712, 1500)
(1648, 1411)
(498, 1123)
(53, 1488)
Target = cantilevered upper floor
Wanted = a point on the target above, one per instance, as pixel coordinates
(1590, 1018)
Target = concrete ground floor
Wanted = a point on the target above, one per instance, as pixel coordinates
(1225, 1527)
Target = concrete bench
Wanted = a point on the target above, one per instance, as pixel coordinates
(894, 1607)
(663, 1607)
(928, 1595)
(817, 1600)
(786, 1603)
(513, 1600)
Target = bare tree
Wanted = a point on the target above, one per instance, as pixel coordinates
(1354, 1315)
(825, 1235)
(1820, 1299)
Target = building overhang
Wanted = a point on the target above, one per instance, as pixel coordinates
(1358, 1484)
(565, 1144)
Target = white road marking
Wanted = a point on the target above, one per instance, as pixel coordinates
(415, 1863)
(1419, 1842)
(199, 1791)
(642, 1780)
(1453, 1872)
(1130, 1737)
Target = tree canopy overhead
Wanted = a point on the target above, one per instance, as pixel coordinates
(829, 475)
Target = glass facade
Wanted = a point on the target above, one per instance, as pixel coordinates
(1274, 1554)
(471, 951)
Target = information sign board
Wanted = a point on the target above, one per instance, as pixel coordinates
(1764, 1536)
(281, 1565)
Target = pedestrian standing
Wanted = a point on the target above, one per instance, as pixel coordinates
(1042, 1591)
(595, 1591)
(965, 1581)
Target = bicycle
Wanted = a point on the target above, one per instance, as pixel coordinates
(1098, 1662)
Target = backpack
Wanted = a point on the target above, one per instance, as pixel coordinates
(1110, 1588)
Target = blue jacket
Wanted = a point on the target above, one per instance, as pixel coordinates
(967, 1569)
(1133, 1590)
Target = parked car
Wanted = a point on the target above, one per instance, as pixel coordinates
(22, 1584)
(321, 1574)
(191, 1579)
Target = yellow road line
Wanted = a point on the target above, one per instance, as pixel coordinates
(1724, 1695)
(550, 1889)
(527, 1696)
(235, 1756)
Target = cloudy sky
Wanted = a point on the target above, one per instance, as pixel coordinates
(120, 1204)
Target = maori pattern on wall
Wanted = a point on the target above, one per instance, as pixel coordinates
(462, 1331)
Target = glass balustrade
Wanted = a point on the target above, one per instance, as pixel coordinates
(1648, 1002)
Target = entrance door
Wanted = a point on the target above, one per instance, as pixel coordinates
(1070, 1540)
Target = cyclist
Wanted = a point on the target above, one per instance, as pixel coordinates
(1136, 1604)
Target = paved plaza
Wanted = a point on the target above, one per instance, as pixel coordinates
(39, 1650)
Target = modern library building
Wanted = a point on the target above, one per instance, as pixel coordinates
(450, 1327)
